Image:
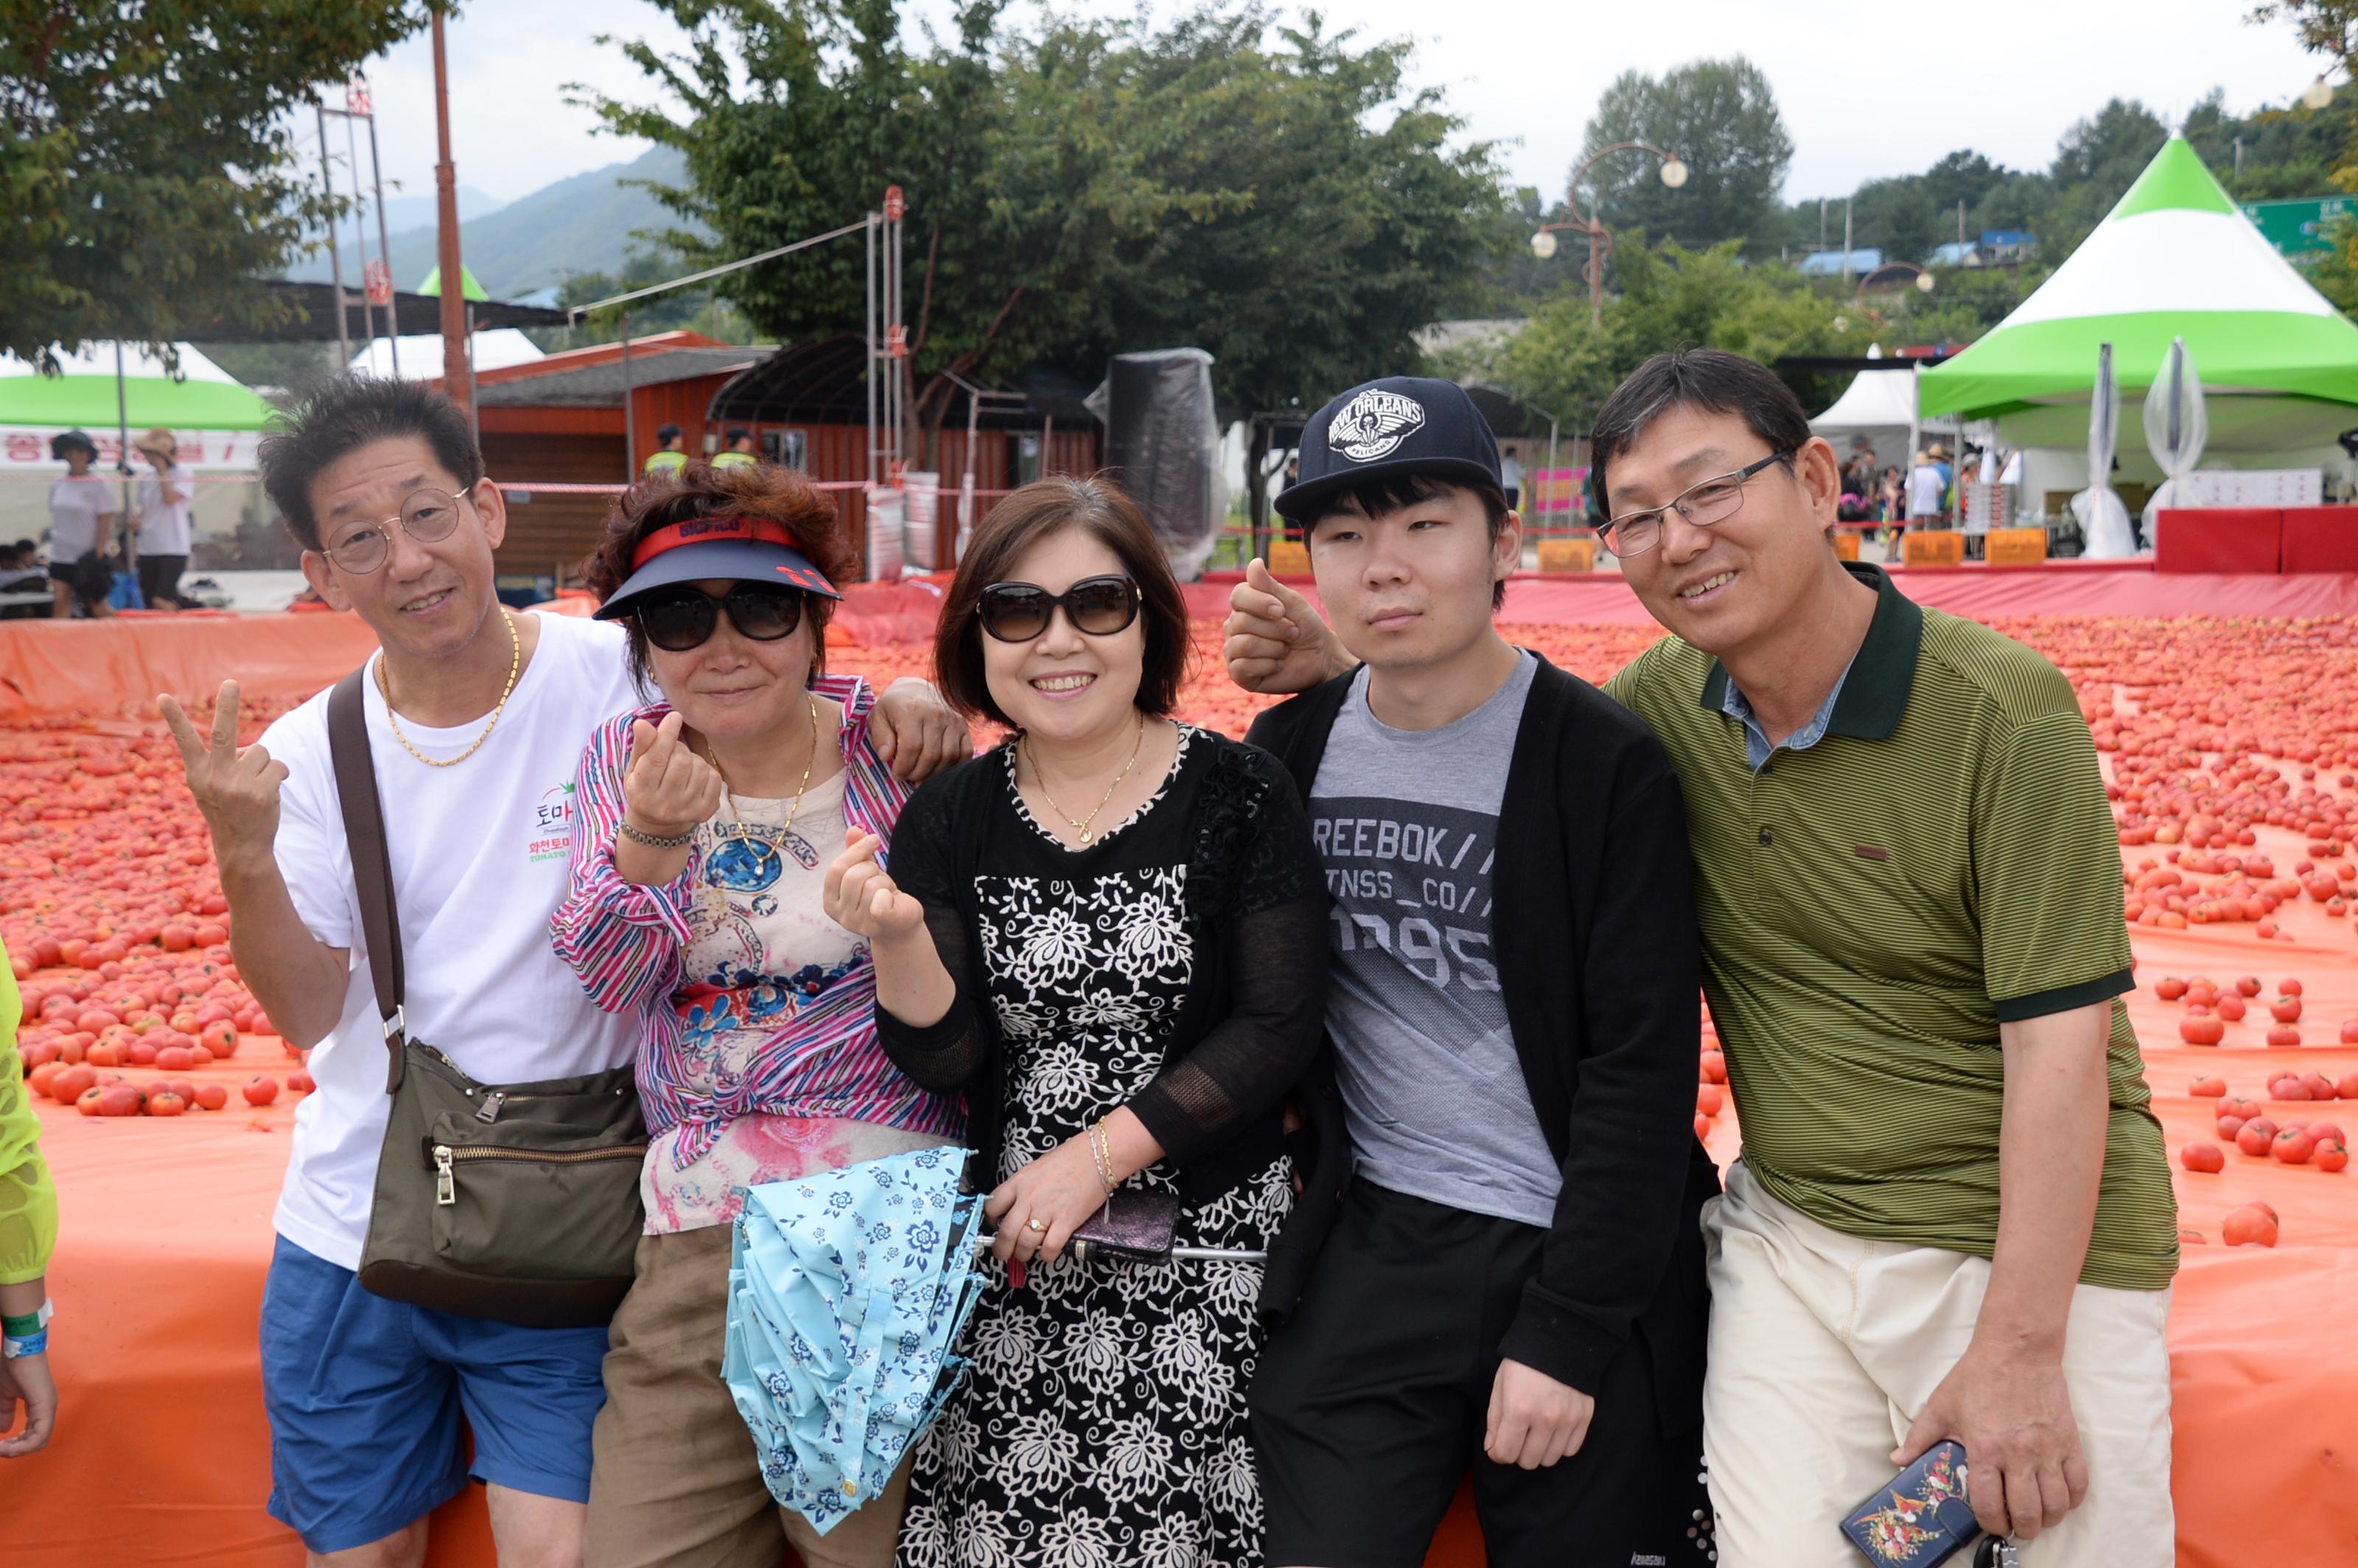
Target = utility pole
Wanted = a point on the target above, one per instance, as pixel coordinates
(1821, 223)
(1961, 231)
(384, 248)
(1846, 241)
(336, 256)
(458, 384)
(360, 226)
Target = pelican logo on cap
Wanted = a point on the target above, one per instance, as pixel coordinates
(1374, 424)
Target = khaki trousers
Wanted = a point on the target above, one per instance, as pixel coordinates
(675, 1480)
(1825, 1347)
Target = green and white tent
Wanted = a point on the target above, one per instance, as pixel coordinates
(2174, 259)
(204, 398)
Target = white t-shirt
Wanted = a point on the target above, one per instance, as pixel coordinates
(164, 529)
(1926, 491)
(481, 856)
(75, 507)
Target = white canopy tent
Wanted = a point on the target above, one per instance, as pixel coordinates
(1879, 404)
(421, 354)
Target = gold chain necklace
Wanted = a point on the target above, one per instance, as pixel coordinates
(729, 795)
(515, 663)
(1081, 824)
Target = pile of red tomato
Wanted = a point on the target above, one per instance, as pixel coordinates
(115, 926)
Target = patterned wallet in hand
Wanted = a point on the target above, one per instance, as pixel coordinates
(1920, 1517)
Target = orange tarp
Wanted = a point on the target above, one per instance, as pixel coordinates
(111, 668)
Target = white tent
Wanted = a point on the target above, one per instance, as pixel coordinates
(1879, 404)
(421, 354)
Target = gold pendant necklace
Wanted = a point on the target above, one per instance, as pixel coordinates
(515, 663)
(729, 798)
(1080, 824)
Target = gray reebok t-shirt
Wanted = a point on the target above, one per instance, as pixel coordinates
(1407, 822)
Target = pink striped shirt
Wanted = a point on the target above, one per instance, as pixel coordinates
(626, 940)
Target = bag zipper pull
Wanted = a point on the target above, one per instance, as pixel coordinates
(446, 1189)
(490, 1111)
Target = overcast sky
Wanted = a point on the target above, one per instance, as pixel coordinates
(1868, 88)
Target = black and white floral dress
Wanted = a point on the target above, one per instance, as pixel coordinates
(1103, 1424)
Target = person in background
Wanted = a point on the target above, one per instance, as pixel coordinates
(82, 511)
(163, 526)
(667, 458)
(1928, 490)
(28, 1230)
(1109, 933)
(703, 824)
(1511, 479)
(738, 449)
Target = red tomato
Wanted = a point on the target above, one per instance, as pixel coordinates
(2253, 1225)
(260, 1089)
(299, 1081)
(2281, 1034)
(2331, 1154)
(165, 1104)
(87, 1102)
(2169, 988)
(1714, 1068)
(2208, 1089)
(2205, 1031)
(219, 1037)
(2289, 987)
(1702, 1127)
(2231, 1125)
(2293, 1146)
(2238, 1105)
(120, 1099)
(2255, 1136)
(2231, 1008)
(2287, 1085)
(213, 1097)
(174, 1059)
(2348, 1086)
(2285, 1009)
(2202, 1157)
(2249, 985)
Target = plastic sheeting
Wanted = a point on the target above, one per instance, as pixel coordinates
(2177, 426)
(1163, 443)
(2103, 521)
(115, 667)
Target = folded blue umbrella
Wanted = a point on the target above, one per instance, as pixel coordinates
(847, 1291)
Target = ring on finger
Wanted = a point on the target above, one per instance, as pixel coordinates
(1037, 1227)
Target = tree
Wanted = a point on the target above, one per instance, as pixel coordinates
(1085, 188)
(1671, 295)
(148, 166)
(1720, 117)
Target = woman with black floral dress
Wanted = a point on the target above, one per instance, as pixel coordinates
(1109, 934)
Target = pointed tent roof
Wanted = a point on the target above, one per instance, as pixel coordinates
(2174, 258)
(1874, 400)
(204, 398)
(468, 287)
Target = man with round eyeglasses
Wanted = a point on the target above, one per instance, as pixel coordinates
(475, 718)
(1953, 1215)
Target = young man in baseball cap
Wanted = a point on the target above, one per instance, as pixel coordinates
(1511, 1275)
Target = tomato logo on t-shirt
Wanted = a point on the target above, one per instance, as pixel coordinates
(551, 826)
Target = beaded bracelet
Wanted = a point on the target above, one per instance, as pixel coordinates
(656, 840)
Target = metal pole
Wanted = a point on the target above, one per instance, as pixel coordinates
(384, 248)
(870, 328)
(335, 256)
(1961, 231)
(360, 228)
(896, 333)
(457, 383)
(1595, 270)
(1846, 200)
(474, 416)
(128, 526)
(630, 414)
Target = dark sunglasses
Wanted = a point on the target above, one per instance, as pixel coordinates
(682, 620)
(1019, 612)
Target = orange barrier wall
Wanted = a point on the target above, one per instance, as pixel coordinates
(50, 670)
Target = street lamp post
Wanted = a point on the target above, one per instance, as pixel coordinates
(1600, 239)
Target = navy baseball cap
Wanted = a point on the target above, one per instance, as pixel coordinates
(741, 548)
(1383, 429)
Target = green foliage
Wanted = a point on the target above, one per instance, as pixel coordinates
(1271, 194)
(146, 164)
(1720, 117)
(681, 310)
(1671, 296)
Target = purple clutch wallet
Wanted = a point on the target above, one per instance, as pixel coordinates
(1136, 1225)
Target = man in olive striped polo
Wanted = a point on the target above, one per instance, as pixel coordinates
(1953, 1218)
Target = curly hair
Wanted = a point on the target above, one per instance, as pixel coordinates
(781, 495)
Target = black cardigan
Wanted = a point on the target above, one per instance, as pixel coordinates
(1599, 962)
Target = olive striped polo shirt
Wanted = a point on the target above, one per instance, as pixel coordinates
(1874, 906)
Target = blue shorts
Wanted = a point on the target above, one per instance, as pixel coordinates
(364, 1396)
